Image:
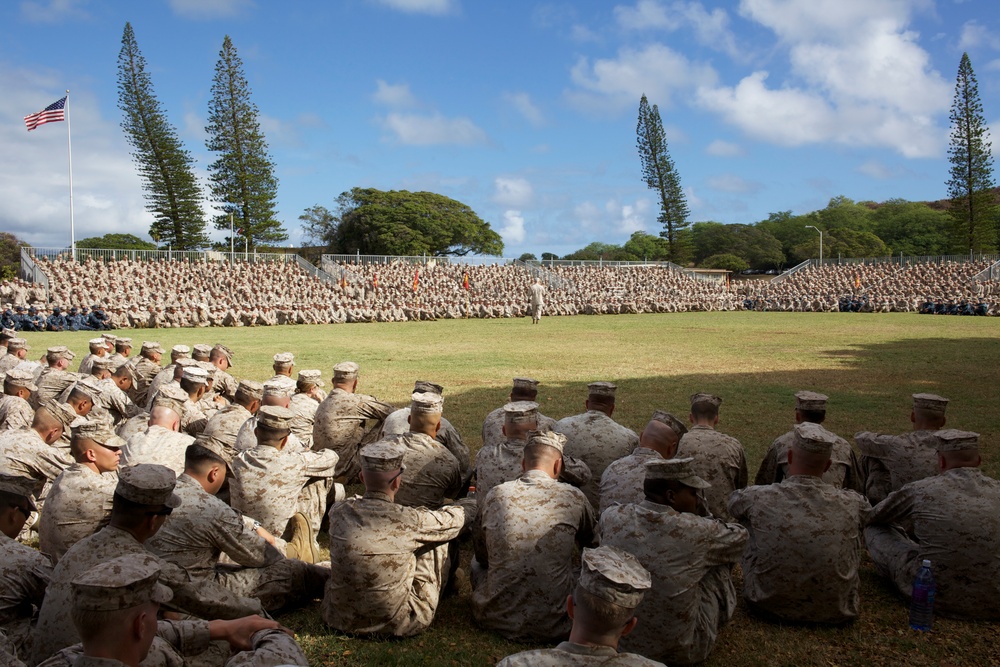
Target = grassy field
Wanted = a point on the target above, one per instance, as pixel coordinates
(868, 364)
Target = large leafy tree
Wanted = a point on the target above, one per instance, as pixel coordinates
(970, 182)
(10, 255)
(399, 222)
(752, 244)
(242, 178)
(116, 242)
(660, 174)
(166, 168)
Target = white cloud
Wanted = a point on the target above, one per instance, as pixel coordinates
(993, 65)
(975, 35)
(733, 184)
(617, 83)
(512, 230)
(52, 11)
(397, 95)
(720, 148)
(877, 170)
(581, 33)
(710, 28)
(523, 105)
(646, 15)
(512, 191)
(433, 130)
(619, 217)
(210, 9)
(434, 7)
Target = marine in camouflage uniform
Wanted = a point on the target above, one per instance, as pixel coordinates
(30, 452)
(689, 558)
(17, 351)
(389, 563)
(397, 423)
(345, 420)
(801, 563)
(719, 459)
(950, 519)
(524, 389)
(525, 540)
(304, 403)
(433, 472)
(147, 367)
(844, 471)
(226, 423)
(595, 438)
(892, 461)
(162, 442)
(621, 482)
(16, 412)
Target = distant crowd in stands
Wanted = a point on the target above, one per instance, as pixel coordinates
(127, 293)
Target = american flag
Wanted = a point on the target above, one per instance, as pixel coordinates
(50, 114)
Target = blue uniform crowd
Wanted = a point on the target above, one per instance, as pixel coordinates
(77, 319)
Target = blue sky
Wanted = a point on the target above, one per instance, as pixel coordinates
(526, 111)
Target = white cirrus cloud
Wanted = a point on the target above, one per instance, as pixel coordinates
(53, 11)
(512, 230)
(733, 184)
(210, 9)
(646, 15)
(434, 130)
(877, 170)
(720, 148)
(710, 28)
(512, 192)
(521, 102)
(433, 7)
(394, 95)
(974, 34)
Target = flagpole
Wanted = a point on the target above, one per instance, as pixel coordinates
(69, 146)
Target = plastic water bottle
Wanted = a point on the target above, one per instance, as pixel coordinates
(471, 493)
(922, 602)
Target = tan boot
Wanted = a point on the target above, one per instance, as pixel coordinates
(302, 540)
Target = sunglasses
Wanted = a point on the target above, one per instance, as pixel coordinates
(393, 478)
(25, 511)
(163, 512)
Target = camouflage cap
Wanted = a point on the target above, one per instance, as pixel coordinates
(120, 583)
(148, 484)
(383, 456)
(279, 386)
(527, 384)
(152, 346)
(18, 485)
(551, 438)
(810, 400)
(345, 370)
(60, 352)
(276, 417)
(214, 445)
(614, 575)
(196, 374)
(521, 412)
(97, 342)
(180, 349)
(930, 403)
(607, 389)
(100, 432)
(64, 412)
(18, 377)
(251, 388)
(202, 350)
(18, 344)
(89, 387)
(128, 369)
(225, 351)
(425, 386)
(209, 368)
(312, 376)
(184, 362)
(120, 340)
(711, 399)
(284, 358)
(110, 338)
(101, 364)
(675, 424)
(676, 469)
(813, 438)
(426, 402)
(173, 397)
(953, 440)
(7, 332)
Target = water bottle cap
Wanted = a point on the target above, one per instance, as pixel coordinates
(926, 563)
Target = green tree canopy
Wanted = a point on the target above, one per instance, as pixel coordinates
(726, 261)
(647, 247)
(116, 242)
(399, 222)
(527, 257)
(606, 251)
(912, 228)
(753, 244)
(10, 255)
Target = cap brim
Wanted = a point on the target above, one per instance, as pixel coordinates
(173, 502)
(161, 594)
(695, 482)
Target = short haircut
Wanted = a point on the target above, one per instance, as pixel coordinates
(814, 416)
(268, 435)
(128, 514)
(10, 500)
(598, 614)
(660, 487)
(79, 395)
(600, 400)
(704, 410)
(190, 386)
(93, 624)
(199, 458)
(523, 394)
(244, 397)
(536, 454)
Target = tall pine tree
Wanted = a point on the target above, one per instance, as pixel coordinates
(167, 170)
(660, 174)
(242, 178)
(970, 186)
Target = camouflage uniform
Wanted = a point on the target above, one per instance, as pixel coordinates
(204, 527)
(905, 458)
(568, 654)
(502, 463)
(173, 641)
(396, 423)
(340, 426)
(844, 472)
(24, 575)
(77, 506)
(953, 516)
(304, 407)
(388, 564)
(51, 383)
(15, 413)
(689, 558)
(432, 472)
(116, 402)
(146, 371)
(24, 453)
(621, 482)
(597, 440)
(719, 459)
(226, 423)
(801, 563)
(157, 445)
(525, 539)
(493, 427)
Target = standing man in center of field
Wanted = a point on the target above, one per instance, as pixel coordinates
(537, 301)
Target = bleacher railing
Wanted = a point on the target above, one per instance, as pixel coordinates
(904, 259)
(991, 272)
(792, 271)
(30, 270)
(102, 254)
(358, 259)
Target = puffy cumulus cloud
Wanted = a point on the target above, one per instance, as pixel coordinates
(710, 28)
(621, 218)
(512, 230)
(613, 84)
(433, 130)
(396, 96)
(521, 102)
(34, 188)
(53, 11)
(720, 148)
(512, 191)
(733, 184)
(280, 132)
(974, 35)
(858, 77)
(434, 7)
(210, 9)
(879, 170)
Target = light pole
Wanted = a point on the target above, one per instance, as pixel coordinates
(820, 242)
